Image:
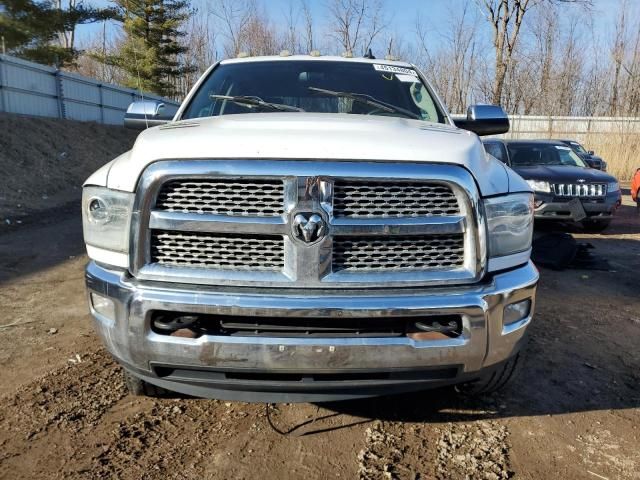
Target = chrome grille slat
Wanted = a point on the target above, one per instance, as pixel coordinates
(223, 196)
(393, 254)
(358, 199)
(580, 189)
(222, 251)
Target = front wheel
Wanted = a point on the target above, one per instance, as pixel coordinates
(139, 388)
(493, 381)
(595, 225)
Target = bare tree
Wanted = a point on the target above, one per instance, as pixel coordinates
(356, 23)
(506, 18)
(308, 26)
(202, 39)
(453, 64)
(234, 16)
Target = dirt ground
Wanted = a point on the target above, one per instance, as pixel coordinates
(43, 161)
(572, 413)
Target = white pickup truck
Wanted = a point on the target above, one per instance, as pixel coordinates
(310, 228)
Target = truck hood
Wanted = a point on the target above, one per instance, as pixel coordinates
(563, 174)
(308, 136)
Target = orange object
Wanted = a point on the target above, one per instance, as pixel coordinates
(635, 186)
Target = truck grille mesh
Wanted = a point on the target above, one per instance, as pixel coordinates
(389, 254)
(221, 196)
(217, 251)
(392, 199)
(580, 189)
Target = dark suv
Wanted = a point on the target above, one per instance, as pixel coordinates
(564, 185)
(589, 157)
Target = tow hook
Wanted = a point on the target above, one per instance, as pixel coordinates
(181, 326)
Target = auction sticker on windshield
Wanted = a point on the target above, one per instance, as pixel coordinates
(406, 78)
(394, 69)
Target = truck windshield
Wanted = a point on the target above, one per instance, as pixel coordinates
(320, 86)
(540, 154)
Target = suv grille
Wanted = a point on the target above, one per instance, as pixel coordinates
(580, 189)
(393, 199)
(388, 253)
(259, 198)
(216, 251)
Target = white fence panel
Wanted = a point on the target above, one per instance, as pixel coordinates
(32, 89)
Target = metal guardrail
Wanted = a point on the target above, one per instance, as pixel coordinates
(29, 88)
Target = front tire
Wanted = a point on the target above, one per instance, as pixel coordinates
(139, 388)
(595, 225)
(493, 381)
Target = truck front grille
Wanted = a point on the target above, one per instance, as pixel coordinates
(355, 199)
(307, 224)
(391, 254)
(221, 196)
(580, 189)
(215, 251)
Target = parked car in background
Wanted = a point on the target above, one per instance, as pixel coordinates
(589, 157)
(565, 187)
(635, 189)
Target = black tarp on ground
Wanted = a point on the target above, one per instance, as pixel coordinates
(560, 250)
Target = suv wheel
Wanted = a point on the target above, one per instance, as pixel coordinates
(139, 388)
(595, 225)
(493, 381)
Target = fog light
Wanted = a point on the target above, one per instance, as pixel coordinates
(103, 305)
(516, 312)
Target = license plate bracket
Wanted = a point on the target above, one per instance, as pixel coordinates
(577, 210)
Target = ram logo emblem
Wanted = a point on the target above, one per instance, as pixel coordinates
(309, 227)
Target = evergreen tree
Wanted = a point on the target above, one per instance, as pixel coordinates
(43, 31)
(151, 53)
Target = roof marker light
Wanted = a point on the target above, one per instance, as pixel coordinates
(347, 54)
(242, 55)
(315, 53)
(285, 53)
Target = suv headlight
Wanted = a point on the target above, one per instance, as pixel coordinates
(539, 186)
(613, 187)
(106, 217)
(509, 223)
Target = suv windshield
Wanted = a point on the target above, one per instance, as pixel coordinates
(577, 147)
(325, 86)
(540, 154)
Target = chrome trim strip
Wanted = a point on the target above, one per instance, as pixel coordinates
(515, 326)
(508, 261)
(308, 188)
(398, 226)
(196, 222)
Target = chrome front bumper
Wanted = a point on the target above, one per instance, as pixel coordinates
(203, 366)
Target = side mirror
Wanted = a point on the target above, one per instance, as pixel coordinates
(591, 152)
(484, 120)
(145, 114)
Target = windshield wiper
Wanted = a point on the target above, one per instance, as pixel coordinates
(368, 100)
(256, 102)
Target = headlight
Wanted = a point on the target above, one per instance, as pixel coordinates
(106, 217)
(613, 187)
(509, 223)
(539, 186)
